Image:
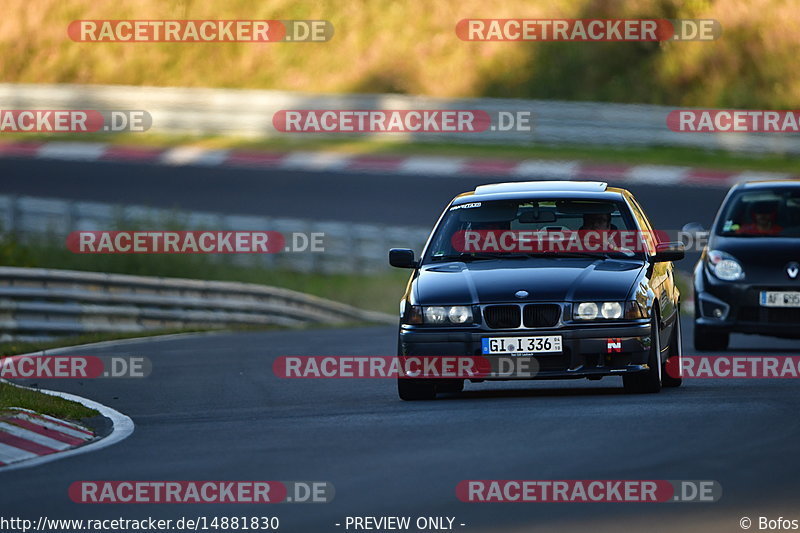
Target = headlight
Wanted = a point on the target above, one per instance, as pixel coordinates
(435, 315)
(586, 311)
(438, 314)
(724, 266)
(459, 314)
(629, 310)
(611, 310)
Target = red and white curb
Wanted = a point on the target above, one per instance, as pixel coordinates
(22, 446)
(26, 434)
(387, 164)
(122, 425)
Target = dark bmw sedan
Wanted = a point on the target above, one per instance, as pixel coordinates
(603, 307)
(748, 277)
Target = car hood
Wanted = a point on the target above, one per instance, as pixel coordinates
(545, 279)
(764, 259)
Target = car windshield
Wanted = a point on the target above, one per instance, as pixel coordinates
(539, 220)
(762, 213)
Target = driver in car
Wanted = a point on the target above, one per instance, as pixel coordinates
(764, 216)
(596, 222)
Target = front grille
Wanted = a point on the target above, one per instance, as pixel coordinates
(541, 315)
(770, 315)
(502, 316)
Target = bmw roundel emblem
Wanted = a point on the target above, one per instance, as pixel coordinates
(521, 294)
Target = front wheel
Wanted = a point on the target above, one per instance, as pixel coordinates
(648, 381)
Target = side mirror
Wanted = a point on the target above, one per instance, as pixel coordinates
(693, 227)
(695, 230)
(402, 258)
(669, 251)
(694, 236)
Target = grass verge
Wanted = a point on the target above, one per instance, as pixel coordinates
(11, 396)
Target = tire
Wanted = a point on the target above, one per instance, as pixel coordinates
(649, 381)
(710, 340)
(676, 352)
(411, 390)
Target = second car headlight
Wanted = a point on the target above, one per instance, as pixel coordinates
(724, 266)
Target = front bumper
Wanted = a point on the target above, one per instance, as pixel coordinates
(736, 307)
(587, 351)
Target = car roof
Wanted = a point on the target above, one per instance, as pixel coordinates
(768, 184)
(588, 190)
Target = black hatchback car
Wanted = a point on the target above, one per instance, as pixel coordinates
(579, 314)
(748, 277)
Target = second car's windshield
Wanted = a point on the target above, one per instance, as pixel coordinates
(484, 223)
(762, 213)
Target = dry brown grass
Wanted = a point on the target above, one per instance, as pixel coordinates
(410, 46)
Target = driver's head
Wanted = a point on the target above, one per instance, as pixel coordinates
(764, 213)
(596, 221)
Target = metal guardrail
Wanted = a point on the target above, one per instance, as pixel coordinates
(349, 247)
(38, 303)
(248, 113)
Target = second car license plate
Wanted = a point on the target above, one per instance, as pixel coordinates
(780, 299)
(521, 345)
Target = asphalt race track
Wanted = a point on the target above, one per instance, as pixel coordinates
(357, 197)
(348, 197)
(212, 409)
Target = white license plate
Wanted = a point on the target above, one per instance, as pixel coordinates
(521, 345)
(780, 299)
